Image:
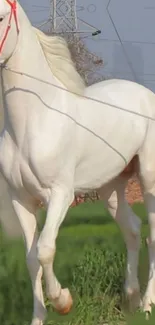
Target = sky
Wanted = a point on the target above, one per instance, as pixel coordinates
(127, 41)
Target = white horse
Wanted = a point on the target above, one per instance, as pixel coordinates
(57, 141)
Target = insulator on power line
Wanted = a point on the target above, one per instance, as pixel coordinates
(97, 32)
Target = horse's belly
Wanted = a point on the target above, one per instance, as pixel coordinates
(94, 177)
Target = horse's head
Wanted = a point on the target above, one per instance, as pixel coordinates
(9, 28)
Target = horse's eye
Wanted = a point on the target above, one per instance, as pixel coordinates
(1, 19)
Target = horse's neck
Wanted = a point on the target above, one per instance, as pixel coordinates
(28, 58)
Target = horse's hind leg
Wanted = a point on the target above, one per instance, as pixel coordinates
(147, 176)
(130, 225)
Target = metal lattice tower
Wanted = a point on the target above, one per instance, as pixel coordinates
(63, 16)
(63, 19)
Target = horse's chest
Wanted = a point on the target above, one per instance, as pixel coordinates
(17, 171)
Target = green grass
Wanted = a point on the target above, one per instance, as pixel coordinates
(90, 260)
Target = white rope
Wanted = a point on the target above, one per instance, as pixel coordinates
(83, 96)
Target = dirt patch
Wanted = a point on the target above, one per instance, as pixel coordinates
(133, 191)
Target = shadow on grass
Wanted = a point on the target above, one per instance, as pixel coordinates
(86, 214)
(95, 214)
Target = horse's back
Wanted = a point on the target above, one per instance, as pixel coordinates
(116, 109)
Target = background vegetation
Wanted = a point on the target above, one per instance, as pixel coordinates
(90, 260)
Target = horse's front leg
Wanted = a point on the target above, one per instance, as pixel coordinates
(59, 203)
(26, 216)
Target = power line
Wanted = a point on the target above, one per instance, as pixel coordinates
(120, 40)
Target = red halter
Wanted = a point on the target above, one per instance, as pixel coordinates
(14, 14)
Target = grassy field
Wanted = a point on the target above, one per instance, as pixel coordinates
(90, 260)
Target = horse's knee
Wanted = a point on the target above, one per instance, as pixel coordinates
(112, 204)
(45, 254)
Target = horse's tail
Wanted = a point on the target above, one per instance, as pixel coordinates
(8, 218)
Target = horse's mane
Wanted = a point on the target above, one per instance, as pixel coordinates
(58, 56)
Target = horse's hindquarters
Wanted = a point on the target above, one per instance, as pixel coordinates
(108, 137)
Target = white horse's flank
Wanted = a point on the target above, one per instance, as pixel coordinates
(56, 143)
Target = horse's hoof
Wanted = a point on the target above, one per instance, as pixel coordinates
(65, 302)
(133, 298)
(147, 315)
